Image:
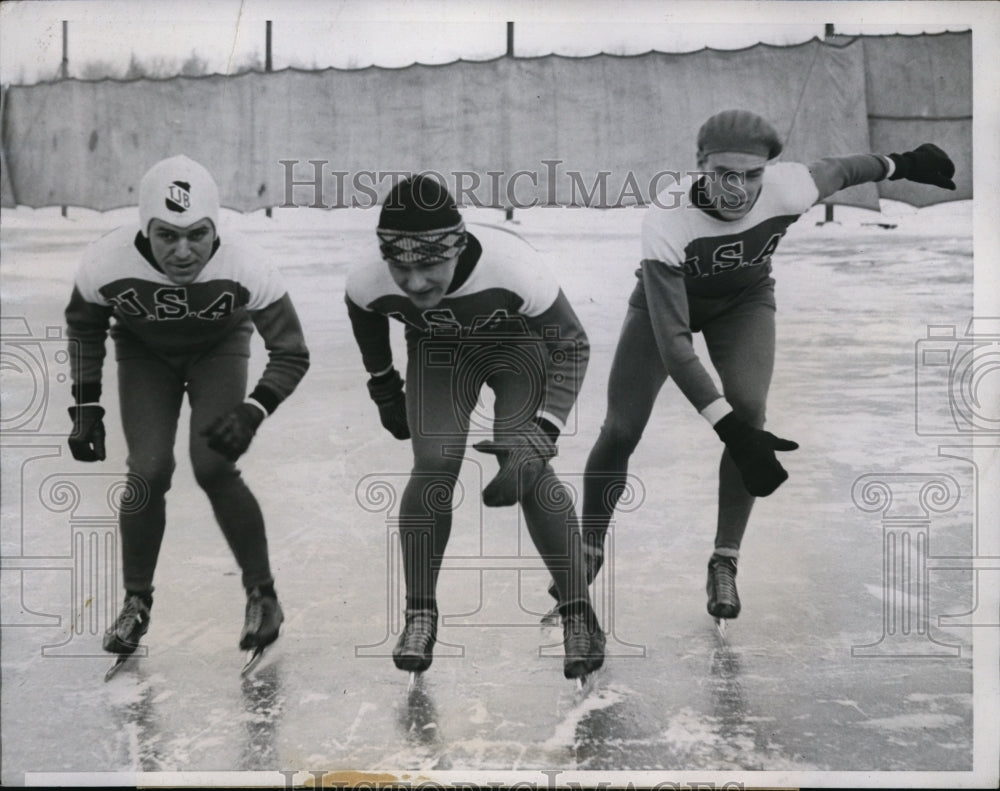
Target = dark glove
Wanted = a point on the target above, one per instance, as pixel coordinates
(753, 450)
(522, 458)
(926, 164)
(86, 442)
(230, 434)
(386, 390)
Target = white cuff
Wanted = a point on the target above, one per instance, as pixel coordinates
(553, 420)
(257, 404)
(715, 411)
(890, 165)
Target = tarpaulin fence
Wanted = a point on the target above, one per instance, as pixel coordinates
(602, 130)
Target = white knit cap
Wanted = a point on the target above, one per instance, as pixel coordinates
(178, 191)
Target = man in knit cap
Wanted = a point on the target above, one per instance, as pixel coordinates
(706, 267)
(479, 309)
(181, 306)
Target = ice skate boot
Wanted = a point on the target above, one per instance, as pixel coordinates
(261, 624)
(583, 641)
(723, 600)
(414, 650)
(123, 637)
(132, 623)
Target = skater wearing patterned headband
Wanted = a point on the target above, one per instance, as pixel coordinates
(184, 305)
(465, 299)
(706, 267)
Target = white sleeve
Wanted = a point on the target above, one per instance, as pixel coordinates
(88, 278)
(660, 236)
(538, 287)
(798, 189)
(261, 278)
(523, 270)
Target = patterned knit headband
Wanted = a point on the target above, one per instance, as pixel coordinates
(425, 247)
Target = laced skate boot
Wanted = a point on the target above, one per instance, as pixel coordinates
(263, 619)
(131, 625)
(415, 649)
(583, 640)
(723, 600)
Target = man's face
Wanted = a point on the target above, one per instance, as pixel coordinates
(734, 181)
(424, 283)
(181, 252)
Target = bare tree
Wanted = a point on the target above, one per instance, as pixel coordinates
(194, 66)
(99, 69)
(250, 62)
(135, 69)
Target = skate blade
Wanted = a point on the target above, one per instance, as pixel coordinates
(584, 684)
(413, 680)
(119, 663)
(720, 627)
(253, 658)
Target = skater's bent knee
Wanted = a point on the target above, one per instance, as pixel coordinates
(622, 435)
(217, 475)
(150, 478)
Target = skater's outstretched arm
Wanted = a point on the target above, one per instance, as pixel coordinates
(927, 164)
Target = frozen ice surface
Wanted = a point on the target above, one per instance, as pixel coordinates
(785, 693)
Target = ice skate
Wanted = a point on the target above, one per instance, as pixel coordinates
(414, 651)
(593, 559)
(723, 600)
(123, 637)
(583, 642)
(260, 627)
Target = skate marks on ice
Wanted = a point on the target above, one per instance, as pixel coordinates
(615, 727)
(132, 704)
(418, 717)
(726, 731)
(417, 726)
(161, 726)
(263, 706)
(586, 701)
(490, 726)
